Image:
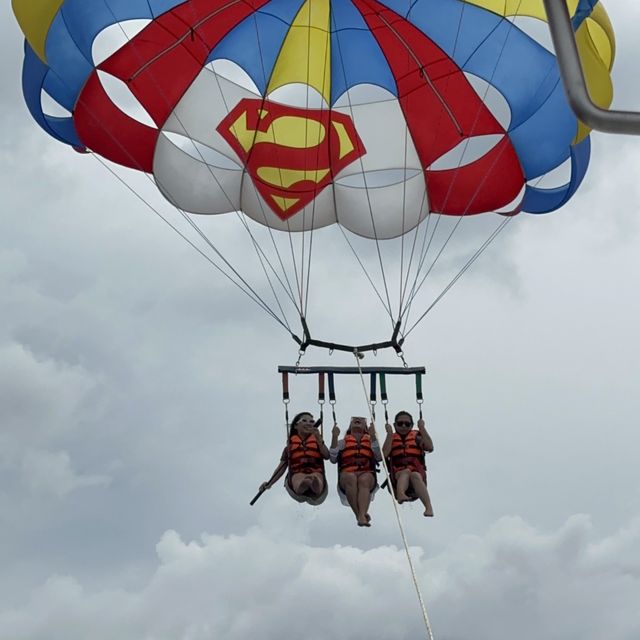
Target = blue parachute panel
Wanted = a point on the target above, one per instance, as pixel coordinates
(543, 142)
(34, 74)
(264, 31)
(583, 11)
(546, 200)
(356, 57)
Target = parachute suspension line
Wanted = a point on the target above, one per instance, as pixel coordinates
(404, 212)
(262, 258)
(304, 209)
(414, 577)
(386, 306)
(405, 282)
(462, 271)
(259, 200)
(414, 290)
(187, 218)
(206, 239)
(246, 289)
(423, 252)
(299, 304)
(326, 66)
(298, 272)
(366, 273)
(295, 270)
(445, 108)
(416, 287)
(413, 247)
(254, 295)
(366, 188)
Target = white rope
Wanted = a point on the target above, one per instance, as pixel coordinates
(414, 577)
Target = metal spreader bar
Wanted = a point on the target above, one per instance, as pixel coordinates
(398, 371)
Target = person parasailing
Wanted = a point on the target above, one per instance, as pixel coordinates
(405, 451)
(356, 456)
(304, 458)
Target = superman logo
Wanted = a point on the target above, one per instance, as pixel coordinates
(290, 153)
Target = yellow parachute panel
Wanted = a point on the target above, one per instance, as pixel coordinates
(35, 18)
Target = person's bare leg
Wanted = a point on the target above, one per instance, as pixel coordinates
(420, 489)
(349, 484)
(317, 483)
(301, 483)
(365, 484)
(402, 484)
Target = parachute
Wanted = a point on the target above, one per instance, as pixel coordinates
(371, 114)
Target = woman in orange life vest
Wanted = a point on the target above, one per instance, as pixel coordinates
(405, 451)
(356, 456)
(304, 457)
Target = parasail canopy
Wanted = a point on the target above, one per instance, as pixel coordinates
(374, 114)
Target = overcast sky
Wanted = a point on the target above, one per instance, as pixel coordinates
(130, 371)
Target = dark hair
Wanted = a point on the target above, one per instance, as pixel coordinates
(293, 428)
(403, 413)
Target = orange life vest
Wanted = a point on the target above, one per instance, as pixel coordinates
(356, 456)
(304, 455)
(406, 451)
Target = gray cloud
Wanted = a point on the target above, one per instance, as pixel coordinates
(511, 581)
(130, 371)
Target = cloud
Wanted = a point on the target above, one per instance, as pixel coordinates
(512, 582)
(51, 472)
(39, 398)
(122, 354)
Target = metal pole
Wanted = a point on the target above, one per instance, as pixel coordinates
(564, 42)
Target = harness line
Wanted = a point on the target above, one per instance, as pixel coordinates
(414, 577)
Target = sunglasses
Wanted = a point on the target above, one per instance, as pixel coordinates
(404, 423)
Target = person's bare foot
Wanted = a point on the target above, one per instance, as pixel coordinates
(402, 497)
(428, 512)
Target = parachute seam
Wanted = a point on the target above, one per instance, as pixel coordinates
(192, 29)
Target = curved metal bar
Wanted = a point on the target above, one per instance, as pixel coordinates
(308, 341)
(564, 42)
